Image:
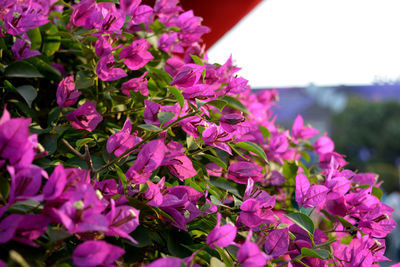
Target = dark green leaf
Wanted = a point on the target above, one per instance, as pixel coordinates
(265, 132)
(345, 222)
(157, 26)
(4, 187)
(197, 60)
(28, 92)
(164, 117)
(178, 95)
(49, 141)
(219, 104)
(250, 146)
(35, 37)
(56, 234)
(224, 257)
(225, 185)
(235, 103)
(149, 127)
(216, 160)
(81, 142)
(289, 170)
(53, 115)
(111, 1)
(46, 69)
(22, 69)
(315, 253)
(377, 192)
(121, 175)
(52, 40)
(160, 74)
(303, 221)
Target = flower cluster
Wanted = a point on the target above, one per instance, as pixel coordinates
(137, 150)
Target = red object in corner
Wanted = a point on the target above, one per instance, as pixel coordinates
(219, 15)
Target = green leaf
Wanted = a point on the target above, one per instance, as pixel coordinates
(28, 92)
(49, 141)
(53, 115)
(4, 187)
(164, 117)
(303, 221)
(157, 26)
(199, 103)
(289, 170)
(160, 74)
(149, 127)
(305, 156)
(81, 142)
(45, 69)
(56, 234)
(225, 185)
(52, 40)
(219, 104)
(25, 205)
(345, 222)
(16, 259)
(178, 95)
(83, 80)
(265, 132)
(35, 37)
(250, 146)
(197, 60)
(224, 257)
(235, 103)
(315, 253)
(214, 262)
(216, 160)
(377, 192)
(22, 69)
(121, 175)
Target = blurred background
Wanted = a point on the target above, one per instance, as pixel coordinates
(335, 62)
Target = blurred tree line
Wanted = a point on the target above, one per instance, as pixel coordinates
(369, 134)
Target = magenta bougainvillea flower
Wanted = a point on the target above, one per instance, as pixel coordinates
(214, 135)
(22, 48)
(324, 145)
(148, 160)
(66, 93)
(221, 236)
(106, 71)
(85, 117)
(177, 162)
(21, 18)
(188, 75)
(277, 242)
(241, 171)
(136, 55)
(249, 254)
(122, 221)
(120, 142)
(96, 253)
(301, 132)
(136, 84)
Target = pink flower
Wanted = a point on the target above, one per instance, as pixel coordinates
(66, 93)
(241, 171)
(136, 84)
(85, 117)
(301, 132)
(120, 142)
(136, 55)
(249, 254)
(96, 253)
(22, 48)
(324, 145)
(221, 236)
(106, 71)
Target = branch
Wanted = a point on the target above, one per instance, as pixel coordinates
(85, 157)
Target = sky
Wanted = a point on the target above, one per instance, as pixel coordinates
(291, 43)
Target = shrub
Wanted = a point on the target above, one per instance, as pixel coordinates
(121, 144)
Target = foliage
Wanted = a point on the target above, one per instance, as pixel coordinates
(120, 144)
(369, 150)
